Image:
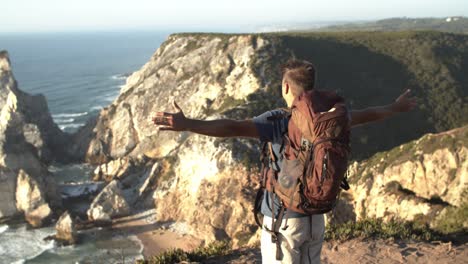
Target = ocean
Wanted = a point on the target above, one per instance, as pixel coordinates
(79, 74)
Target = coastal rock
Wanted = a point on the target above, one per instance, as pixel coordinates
(29, 141)
(30, 199)
(65, 228)
(118, 169)
(29, 136)
(28, 193)
(7, 194)
(206, 75)
(111, 170)
(213, 193)
(39, 216)
(210, 77)
(108, 204)
(413, 182)
(150, 179)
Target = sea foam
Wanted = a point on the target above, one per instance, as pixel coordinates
(3, 228)
(20, 244)
(63, 115)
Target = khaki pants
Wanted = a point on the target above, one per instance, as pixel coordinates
(301, 242)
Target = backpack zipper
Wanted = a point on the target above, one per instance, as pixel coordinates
(324, 166)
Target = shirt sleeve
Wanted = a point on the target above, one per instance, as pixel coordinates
(271, 130)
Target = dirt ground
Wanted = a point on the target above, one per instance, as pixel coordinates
(371, 251)
(157, 237)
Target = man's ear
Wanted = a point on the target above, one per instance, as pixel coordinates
(286, 88)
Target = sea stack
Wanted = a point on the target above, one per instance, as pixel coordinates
(29, 141)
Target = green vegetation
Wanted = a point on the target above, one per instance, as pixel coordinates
(168, 165)
(228, 104)
(374, 68)
(454, 219)
(411, 151)
(217, 248)
(455, 25)
(376, 228)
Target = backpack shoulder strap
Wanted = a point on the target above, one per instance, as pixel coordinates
(284, 113)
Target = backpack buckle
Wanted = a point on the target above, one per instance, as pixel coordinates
(305, 144)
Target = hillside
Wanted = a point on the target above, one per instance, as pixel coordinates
(424, 180)
(454, 24)
(371, 69)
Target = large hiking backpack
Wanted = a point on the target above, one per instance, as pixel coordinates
(315, 149)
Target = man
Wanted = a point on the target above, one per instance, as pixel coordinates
(302, 241)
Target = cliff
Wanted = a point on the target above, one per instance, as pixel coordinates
(209, 183)
(422, 181)
(206, 75)
(238, 76)
(29, 141)
(202, 181)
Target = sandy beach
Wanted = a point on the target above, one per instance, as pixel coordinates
(155, 237)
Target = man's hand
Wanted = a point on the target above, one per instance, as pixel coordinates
(171, 121)
(404, 102)
(215, 128)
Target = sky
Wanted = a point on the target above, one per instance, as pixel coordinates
(97, 15)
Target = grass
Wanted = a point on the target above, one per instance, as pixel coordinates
(377, 228)
(454, 219)
(412, 151)
(217, 248)
(370, 228)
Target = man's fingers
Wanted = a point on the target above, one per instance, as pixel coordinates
(163, 120)
(404, 94)
(176, 106)
(407, 92)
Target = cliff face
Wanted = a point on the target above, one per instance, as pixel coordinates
(415, 181)
(29, 140)
(202, 181)
(207, 183)
(206, 75)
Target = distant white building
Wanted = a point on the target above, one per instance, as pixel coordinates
(450, 19)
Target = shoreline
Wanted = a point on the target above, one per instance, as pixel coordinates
(154, 237)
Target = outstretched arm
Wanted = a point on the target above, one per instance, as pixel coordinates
(215, 128)
(403, 103)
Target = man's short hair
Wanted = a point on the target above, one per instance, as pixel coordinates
(302, 73)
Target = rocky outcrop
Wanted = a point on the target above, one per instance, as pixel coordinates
(110, 203)
(413, 182)
(213, 193)
(136, 177)
(119, 168)
(39, 216)
(66, 232)
(200, 180)
(7, 194)
(28, 137)
(29, 141)
(30, 199)
(206, 75)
